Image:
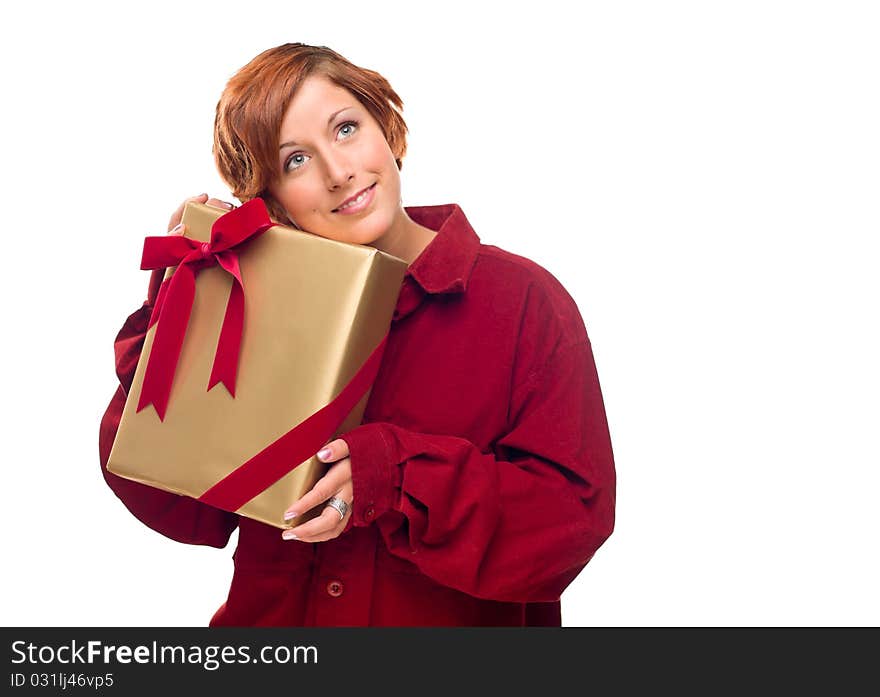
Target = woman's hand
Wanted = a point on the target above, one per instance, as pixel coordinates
(337, 482)
(175, 227)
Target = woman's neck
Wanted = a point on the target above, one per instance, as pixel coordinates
(405, 239)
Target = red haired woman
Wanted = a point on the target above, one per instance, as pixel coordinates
(482, 479)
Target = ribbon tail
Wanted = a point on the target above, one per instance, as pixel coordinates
(160, 300)
(168, 341)
(225, 368)
(296, 446)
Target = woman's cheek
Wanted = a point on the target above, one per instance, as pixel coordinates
(301, 201)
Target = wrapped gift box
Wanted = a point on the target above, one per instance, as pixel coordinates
(315, 316)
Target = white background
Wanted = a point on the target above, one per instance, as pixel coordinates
(701, 176)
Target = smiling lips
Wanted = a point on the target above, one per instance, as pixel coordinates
(358, 202)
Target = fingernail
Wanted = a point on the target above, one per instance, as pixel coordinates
(324, 454)
(176, 228)
(289, 535)
(226, 205)
(289, 515)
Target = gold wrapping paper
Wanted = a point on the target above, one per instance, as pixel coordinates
(314, 311)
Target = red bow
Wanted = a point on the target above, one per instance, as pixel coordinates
(175, 298)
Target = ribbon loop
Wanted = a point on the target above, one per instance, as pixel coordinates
(229, 233)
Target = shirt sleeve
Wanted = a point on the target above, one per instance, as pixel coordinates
(178, 517)
(516, 524)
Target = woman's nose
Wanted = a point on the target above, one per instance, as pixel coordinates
(339, 171)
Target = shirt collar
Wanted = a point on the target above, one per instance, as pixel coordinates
(445, 265)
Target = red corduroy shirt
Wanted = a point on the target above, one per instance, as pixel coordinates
(483, 473)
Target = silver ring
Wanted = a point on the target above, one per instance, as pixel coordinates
(339, 505)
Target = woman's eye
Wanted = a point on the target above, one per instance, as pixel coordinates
(346, 129)
(295, 161)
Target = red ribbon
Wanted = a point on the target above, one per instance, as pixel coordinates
(175, 299)
(294, 447)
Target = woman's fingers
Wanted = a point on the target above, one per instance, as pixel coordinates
(326, 526)
(337, 477)
(333, 451)
(217, 203)
(178, 214)
(174, 221)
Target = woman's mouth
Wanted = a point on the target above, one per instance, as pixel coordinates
(357, 203)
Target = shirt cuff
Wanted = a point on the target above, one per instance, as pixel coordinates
(375, 471)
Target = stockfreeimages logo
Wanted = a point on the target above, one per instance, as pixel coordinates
(209, 657)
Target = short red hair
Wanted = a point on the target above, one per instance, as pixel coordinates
(248, 119)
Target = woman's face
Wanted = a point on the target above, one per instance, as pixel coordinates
(338, 177)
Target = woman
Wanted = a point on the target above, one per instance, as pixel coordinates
(482, 479)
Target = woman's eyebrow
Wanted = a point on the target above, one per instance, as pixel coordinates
(329, 121)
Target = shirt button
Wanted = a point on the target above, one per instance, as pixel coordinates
(369, 513)
(335, 588)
